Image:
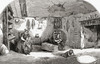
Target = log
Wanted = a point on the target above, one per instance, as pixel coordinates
(36, 48)
(49, 47)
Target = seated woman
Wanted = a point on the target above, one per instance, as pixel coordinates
(24, 45)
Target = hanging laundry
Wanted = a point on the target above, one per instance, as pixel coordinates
(28, 24)
(33, 23)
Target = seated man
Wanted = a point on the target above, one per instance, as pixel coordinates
(60, 43)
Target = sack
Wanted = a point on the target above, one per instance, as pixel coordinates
(3, 50)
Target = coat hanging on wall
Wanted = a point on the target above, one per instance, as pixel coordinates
(67, 26)
(57, 22)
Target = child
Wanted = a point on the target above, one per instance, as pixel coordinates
(68, 53)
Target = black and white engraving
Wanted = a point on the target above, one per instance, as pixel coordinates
(49, 32)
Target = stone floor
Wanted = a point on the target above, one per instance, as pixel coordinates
(17, 58)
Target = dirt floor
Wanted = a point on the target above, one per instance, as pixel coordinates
(16, 58)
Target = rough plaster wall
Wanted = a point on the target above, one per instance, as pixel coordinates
(73, 33)
(47, 34)
(48, 31)
(40, 7)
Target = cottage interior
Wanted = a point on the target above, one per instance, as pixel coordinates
(52, 25)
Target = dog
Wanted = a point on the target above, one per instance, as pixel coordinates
(68, 54)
